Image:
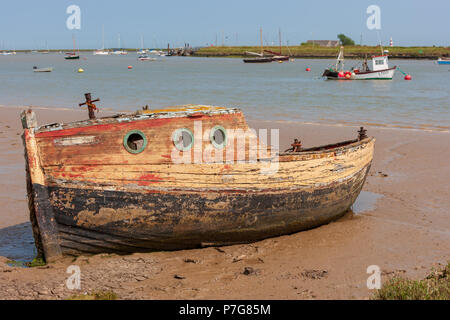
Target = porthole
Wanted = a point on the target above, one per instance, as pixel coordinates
(183, 139)
(218, 137)
(135, 141)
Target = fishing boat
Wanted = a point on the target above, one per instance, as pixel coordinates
(443, 61)
(36, 69)
(380, 69)
(169, 179)
(260, 56)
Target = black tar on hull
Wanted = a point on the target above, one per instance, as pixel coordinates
(99, 221)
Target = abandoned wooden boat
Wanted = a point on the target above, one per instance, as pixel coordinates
(116, 184)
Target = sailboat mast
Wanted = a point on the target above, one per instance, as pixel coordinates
(260, 36)
(73, 40)
(279, 37)
(103, 37)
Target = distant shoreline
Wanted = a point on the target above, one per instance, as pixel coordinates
(307, 51)
(318, 52)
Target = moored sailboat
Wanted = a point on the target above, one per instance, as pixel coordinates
(102, 51)
(72, 55)
(260, 56)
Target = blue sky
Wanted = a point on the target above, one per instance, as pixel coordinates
(30, 24)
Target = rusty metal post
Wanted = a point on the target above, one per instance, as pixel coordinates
(90, 104)
(362, 134)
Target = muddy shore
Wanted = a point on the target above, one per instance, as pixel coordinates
(406, 231)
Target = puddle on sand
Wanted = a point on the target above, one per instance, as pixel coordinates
(17, 243)
(366, 201)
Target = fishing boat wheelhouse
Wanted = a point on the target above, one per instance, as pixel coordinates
(176, 179)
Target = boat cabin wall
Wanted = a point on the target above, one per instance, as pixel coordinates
(380, 63)
(149, 141)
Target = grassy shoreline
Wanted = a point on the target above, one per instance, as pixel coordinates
(314, 51)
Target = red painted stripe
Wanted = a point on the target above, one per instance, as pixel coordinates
(131, 125)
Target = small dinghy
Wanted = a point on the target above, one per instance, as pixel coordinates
(145, 57)
(36, 69)
(170, 179)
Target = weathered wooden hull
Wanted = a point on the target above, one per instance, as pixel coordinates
(122, 202)
(188, 220)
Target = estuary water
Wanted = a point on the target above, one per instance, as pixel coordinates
(274, 91)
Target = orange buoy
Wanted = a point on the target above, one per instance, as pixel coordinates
(308, 69)
(408, 77)
(130, 67)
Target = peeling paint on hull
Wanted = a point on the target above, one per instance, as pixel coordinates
(136, 222)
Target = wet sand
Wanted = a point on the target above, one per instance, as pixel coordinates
(402, 225)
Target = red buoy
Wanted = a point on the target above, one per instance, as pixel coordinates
(348, 76)
(408, 77)
(130, 67)
(341, 74)
(308, 69)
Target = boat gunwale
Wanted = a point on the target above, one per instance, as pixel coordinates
(137, 116)
(346, 145)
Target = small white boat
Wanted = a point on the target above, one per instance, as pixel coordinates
(36, 69)
(146, 58)
(100, 52)
(120, 52)
(443, 61)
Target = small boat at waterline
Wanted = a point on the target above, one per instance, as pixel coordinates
(260, 58)
(443, 61)
(36, 69)
(132, 182)
(72, 56)
(145, 57)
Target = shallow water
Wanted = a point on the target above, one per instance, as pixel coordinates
(17, 242)
(275, 91)
(366, 201)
